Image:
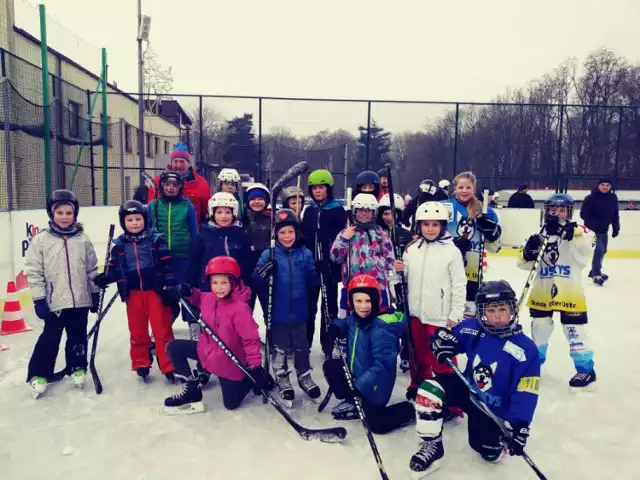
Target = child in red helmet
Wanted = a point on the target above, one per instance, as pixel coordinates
(373, 345)
(225, 310)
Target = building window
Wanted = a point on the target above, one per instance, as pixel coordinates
(157, 145)
(166, 147)
(74, 119)
(127, 139)
(127, 188)
(149, 152)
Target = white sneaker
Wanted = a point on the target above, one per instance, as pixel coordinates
(78, 377)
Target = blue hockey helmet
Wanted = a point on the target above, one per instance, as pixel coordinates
(368, 178)
(556, 200)
(493, 295)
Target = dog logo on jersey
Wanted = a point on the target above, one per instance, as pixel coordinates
(551, 254)
(483, 374)
(466, 228)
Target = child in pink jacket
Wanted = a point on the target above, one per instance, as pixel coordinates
(226, 311)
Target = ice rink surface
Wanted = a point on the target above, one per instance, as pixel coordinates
(122, 434)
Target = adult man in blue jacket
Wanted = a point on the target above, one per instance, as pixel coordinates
(599, 210)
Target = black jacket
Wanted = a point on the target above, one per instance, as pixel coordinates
(599, 210)
(520, 200)
(410, 210)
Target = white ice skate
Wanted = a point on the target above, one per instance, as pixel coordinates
(78, 377)
(38, 386)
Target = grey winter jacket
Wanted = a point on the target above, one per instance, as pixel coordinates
(61, 269)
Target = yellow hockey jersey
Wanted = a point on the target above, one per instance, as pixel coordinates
(558, 285)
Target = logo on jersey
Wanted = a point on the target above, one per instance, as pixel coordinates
(483, 374)
(551, 254)
(466, 228)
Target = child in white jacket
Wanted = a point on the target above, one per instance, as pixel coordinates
(437, 282)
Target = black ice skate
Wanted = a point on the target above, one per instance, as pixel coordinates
(345, 411)
(143, 373)
(188, 400)
(603, 275)
(285, 390)
(583, 381)
(426, 460)
(599, 280)
(308, 386)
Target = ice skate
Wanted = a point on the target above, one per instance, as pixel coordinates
(78, 377)
(308, 386)
(404, 366)
(583, 381)
(143, 373)
(285, 390)
(426, 460)
(194, 331)
(38, 386)
(345, 411)
(496, 458)
(188, 400)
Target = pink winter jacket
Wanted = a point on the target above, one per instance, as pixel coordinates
(232, 321)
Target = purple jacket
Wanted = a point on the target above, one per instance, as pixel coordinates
(232, 321)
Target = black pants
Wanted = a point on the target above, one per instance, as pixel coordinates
(332, 300)
(43, 359)
(233, 391)
(484, 435)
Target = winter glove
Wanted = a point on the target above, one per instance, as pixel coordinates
(518, 440)
(444, 345)
(321, 266)
(95, 300)
(615, 233)
(42, 309)
(267, 269)
(337, 333)
(463, 244)
(101, 281)
(170, 296)
(489, 228)
(532, 248)
(263, 380)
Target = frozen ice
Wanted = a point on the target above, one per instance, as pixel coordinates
(123, 434)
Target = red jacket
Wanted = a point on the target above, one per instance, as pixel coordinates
(383, 191)
(196, 190)
(232, 321)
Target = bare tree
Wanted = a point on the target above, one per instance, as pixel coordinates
(158, 81)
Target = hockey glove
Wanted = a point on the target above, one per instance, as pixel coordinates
(552, 225)
(532, 248)
(42, 309)
(170, 296)
(101, 281)
(518, 440)
(95, 300)
(444, 345)
(321, 266)
(337, 333)
(489, 228)
(615, 233)
(263, 381)
(267, 269)
(463, 244)
(568, 231)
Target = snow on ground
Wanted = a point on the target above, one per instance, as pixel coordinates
(123, 434)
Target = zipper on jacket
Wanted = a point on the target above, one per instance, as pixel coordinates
(290, 288)
(66, 249)
(353, 349)
(135, 252)
(169, 226)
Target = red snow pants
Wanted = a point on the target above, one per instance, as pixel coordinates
(144, 307)
(428, 366)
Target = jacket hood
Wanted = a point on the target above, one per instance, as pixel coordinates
(598, 192)
(331, 205)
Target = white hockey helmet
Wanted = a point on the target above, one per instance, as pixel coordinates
(364, 201)
(433, 211)
(444, 184)
(223, 199)
(398, 202)
(229, 175)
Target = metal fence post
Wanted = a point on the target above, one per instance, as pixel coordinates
(121, 143)
(617, 161)
(560, 133)
(200, 133)
(6, 105)
(3, 63)
(368, 135)
(259, 172)
(91, 151)
(455, 141)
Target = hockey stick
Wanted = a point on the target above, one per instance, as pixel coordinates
(403, 286)
(533, 273)
(328, 435)
(295, 171)
(92, 362)
(485, 209)
(477, 400)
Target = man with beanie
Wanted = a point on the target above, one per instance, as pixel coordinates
(196, 188)
(521, 199)
(599, 210)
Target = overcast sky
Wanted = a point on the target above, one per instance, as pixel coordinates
(465, 50)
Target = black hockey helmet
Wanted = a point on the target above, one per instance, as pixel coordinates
(496, 292)
(286, 216)
(171, 176)
(131, 207)
(383, 172)
(62, 196)
(428, 187)
(368, 178)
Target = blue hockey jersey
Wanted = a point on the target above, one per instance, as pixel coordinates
(505, 370)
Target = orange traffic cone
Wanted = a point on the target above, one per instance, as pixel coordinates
(12, 318)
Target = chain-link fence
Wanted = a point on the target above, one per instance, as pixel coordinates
(543, 145)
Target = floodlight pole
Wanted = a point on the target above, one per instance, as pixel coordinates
(141, 109)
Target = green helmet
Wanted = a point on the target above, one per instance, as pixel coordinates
(320, 177)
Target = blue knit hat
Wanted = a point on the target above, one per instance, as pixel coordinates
(180, 150)
(255, 193)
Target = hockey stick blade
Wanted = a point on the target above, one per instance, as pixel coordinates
(293, 172)
(325, 400)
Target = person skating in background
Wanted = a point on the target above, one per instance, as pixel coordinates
(294, 277)
(384, 183)
(373, 343)
(367, 182)
(364, 248)
(599, 211)
(293, 199)
(469, 228)
(558, 286)
(60, 266)
(521, 198)
(428, 191)
(321, 223)
(175, 217)
(142, 267)
(196, 188)
(504, 370)
(226, 312)
(229, 181)
(256, 222)
(437, 284)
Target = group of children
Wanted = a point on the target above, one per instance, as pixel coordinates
(221, 266)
